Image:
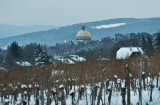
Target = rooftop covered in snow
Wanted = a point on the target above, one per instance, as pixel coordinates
(126, 52)
(77, 58)
(23, 63)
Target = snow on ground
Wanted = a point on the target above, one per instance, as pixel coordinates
(2, 68)
(57, 72)
(66, 61)
(71, 60)
(109, 25)
(116, 98)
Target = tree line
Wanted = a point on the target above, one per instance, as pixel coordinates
(105, 47)
(32, 53)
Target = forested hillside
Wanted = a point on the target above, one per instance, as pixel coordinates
(98, 30)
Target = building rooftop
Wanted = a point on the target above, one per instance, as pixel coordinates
(125, 52)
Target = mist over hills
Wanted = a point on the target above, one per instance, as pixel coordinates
(98, 29)
(7, 30)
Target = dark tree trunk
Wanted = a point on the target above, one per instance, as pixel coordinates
(123, 93)
(157, 81)
(144, 84)
(151, 94)
(109, 97)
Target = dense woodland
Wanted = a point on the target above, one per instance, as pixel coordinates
(106, 47)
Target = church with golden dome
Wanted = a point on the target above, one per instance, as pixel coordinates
(83, 35)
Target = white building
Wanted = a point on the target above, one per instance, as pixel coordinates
(127, 52)
(23, 63)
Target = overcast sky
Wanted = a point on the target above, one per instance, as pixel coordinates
(64, 12)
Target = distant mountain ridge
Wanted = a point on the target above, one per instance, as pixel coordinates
(7, 30)
(105, 28)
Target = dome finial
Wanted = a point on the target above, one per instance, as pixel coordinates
(83, 26)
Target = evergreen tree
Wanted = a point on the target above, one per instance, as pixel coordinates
(149, 47)
(9, 60)
(143, 42)
(157, 41)
(2, 61)
(15, 50)
(149, 43)
(14, 53)
(40, 56)
(29, 52)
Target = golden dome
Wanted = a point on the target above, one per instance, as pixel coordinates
(83, 34)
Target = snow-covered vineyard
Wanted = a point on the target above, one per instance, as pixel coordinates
(93, 82)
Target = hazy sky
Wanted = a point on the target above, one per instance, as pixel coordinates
(63, 12)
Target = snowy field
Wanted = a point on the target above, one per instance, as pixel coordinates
(86, 96)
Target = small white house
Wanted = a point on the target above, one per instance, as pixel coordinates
(23, 63)
(127, 52)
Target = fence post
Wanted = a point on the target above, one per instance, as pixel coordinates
(100, 92)
(41, 88)
(123, 92)
(128, 86)
(140, 89)
(93, 91)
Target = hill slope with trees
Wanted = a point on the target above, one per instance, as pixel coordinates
(98, 30)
